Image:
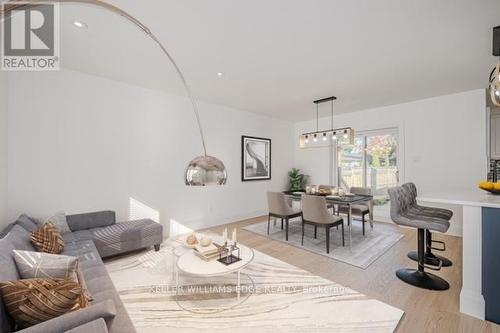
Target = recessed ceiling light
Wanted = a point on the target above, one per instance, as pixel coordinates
(220, 74)
(80, 24)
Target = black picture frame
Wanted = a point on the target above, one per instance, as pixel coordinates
(262, 168)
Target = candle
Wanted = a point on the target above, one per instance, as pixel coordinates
(234, 235)
(224, 235)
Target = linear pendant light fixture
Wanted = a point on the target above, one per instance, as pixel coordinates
(202, 170)
(324, 138)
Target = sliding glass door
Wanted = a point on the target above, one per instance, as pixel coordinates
(371, 162)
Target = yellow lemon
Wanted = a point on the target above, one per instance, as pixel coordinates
(496, 186)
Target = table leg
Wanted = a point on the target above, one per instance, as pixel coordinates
(349, 218)
(177, 280)
(370, 214)
(238, 287)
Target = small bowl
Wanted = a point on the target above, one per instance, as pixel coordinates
(205, 241)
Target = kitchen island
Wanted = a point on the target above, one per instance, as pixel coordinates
(480, 294)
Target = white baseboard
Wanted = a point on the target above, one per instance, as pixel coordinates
(472, 304)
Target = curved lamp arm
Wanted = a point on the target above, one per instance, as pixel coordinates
(136, 22)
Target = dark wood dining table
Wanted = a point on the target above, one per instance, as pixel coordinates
(346, 200)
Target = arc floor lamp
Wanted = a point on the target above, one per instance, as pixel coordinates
(202, 170)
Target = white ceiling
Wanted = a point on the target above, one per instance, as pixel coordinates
(280, 55)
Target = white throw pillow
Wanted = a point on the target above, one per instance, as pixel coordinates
(58, 219)
(33, 265)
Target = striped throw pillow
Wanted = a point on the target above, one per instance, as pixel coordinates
(32, 301)
(47, 239)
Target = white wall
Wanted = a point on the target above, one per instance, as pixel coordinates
(443, 140)
(82, 143)
(3, 149)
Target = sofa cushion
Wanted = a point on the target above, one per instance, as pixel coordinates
(33, 301)
(7, 273)
(91, 220)
(6, 230)
(58, 220)
(95, 326)
(77, 236)
(126, 231)
(48, 239)
(85, 251)
(20, 238)
(28, 223)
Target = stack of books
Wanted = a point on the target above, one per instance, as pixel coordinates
(206, 253)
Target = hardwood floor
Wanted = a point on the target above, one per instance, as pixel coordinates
(425, 311)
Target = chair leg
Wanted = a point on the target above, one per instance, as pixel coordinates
(363, 221)
(286, 229)
(327, 231)
(315, 231)
(281, 224)
(268, 222)
(302, 234)
(421, 254)
(343, 237)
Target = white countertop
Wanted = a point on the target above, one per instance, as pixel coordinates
(473, 197)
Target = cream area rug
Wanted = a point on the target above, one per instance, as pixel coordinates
(275, 297)
(364, 251)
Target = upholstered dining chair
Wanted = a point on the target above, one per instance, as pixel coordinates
(328, 188)
(279, 207)
(441, 213)
(315, 212)
(359, 210)
(403, 215)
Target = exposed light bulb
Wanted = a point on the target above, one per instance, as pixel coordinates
(315, 138)
(497, 92)
(345, 134)
(324, 136)
(334, 136)
(307, 139)
(219, 74)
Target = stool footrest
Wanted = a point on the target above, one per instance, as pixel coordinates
(434, 268)
(443, 248)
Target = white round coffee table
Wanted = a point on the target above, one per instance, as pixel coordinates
(189, 263)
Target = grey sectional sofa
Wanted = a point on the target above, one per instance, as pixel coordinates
(93, 236)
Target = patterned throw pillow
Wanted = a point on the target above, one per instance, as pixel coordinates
(48, 239)
(46, 265)
(30, 302)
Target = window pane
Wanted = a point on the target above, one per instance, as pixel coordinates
(351, 164)
(381, 160)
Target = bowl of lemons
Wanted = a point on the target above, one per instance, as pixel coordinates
(492, 187)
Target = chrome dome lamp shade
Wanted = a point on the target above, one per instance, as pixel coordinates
(206, 170)
(495, 85)
(202, 170)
